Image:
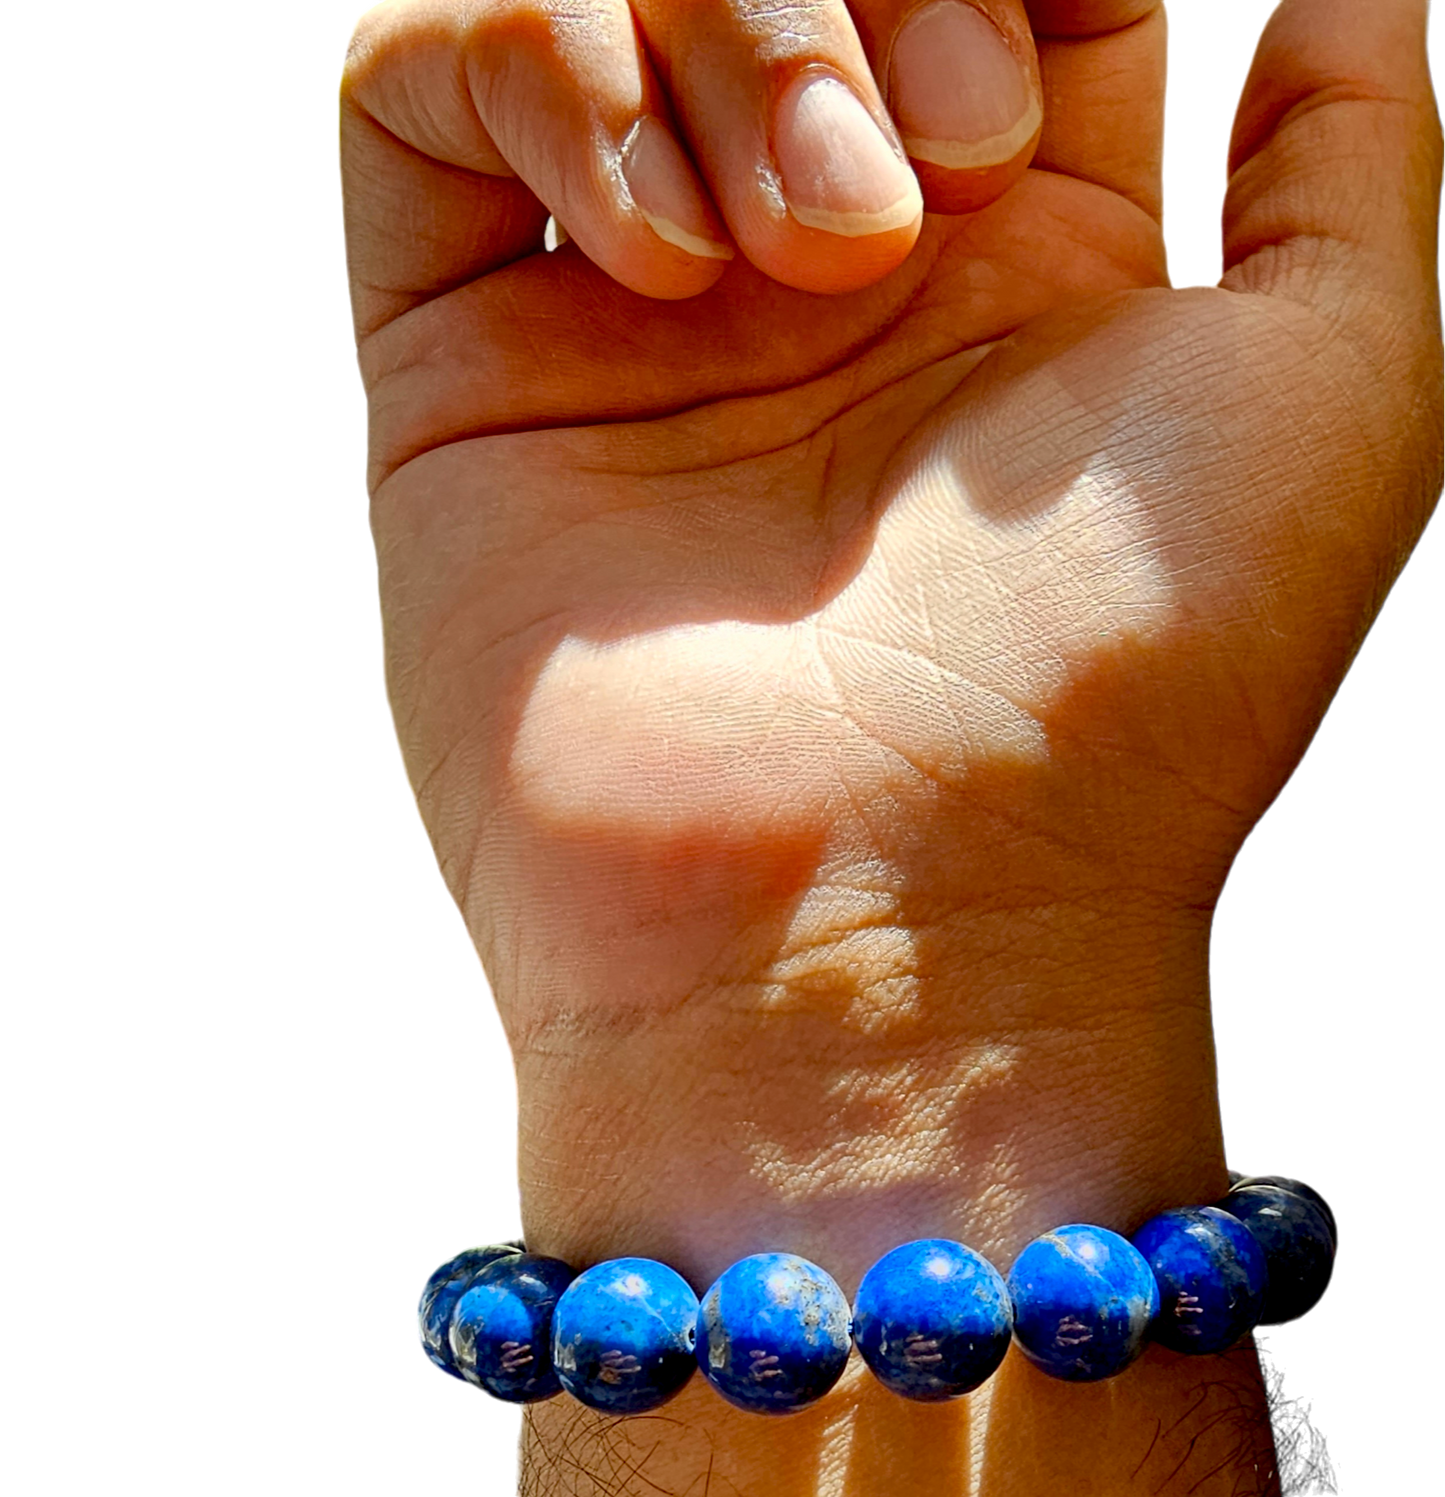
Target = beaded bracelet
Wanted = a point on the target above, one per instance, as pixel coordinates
(932, 1319)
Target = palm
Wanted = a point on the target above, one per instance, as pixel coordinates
(703, 602)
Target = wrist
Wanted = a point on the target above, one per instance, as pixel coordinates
(1026, 1069)
(1065, 1078)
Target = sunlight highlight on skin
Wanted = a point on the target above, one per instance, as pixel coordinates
(942, 654)
(871, 1145)
(1018, 602)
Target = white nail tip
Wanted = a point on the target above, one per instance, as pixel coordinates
(674, 234)
(855, 225)
(958, 155)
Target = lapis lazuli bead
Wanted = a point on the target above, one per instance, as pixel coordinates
(501, 1328)
(773, 1333)
(1211, 1277)
(932, 1319)
(623, 1335)
(1083, 1300)
(1299, 1248)
(445, 1287)
(1297, 1188)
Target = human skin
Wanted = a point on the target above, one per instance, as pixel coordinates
(837, 681)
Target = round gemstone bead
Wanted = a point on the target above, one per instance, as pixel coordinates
(1297, 1188)
(501, 1329)
(772, 1333)
(623, 1335)
(1299, 1248)
(445, 1287)
(1083, 1300)
(1211, 1277)
(932, 1319)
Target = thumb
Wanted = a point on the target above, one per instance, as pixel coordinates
(1334, 188)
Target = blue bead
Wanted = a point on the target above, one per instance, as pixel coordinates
(501, 1329)
(445, 1287)
(1299, 1248)
(1297, 1188)
(772, 1333)
(1211, 1276)
(1083, 1300)
(932, 1319)
(623, 1334)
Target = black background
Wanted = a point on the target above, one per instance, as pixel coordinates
(1322, 975)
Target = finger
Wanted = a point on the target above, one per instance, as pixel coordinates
(1335, 163)
(429, 202)
(567, 101)
(1104, 109)
(787, 125)
(1085, 17)
(962, 83)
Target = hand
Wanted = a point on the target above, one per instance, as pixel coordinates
(836, 717)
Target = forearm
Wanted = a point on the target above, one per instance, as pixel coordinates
(984, 1081)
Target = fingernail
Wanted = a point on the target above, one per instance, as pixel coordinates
(663, 188)
(958, 94)
(838, 170)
